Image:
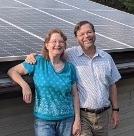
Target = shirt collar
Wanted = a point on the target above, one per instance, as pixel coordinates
(81, 52)
(99, 53)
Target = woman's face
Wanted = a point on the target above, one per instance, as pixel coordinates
(56, 44)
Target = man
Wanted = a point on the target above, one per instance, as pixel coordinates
(96, 78)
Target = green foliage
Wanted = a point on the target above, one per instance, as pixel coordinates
(125, 5)
(129, 5)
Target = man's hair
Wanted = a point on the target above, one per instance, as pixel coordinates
(81, 23)
(48, 35)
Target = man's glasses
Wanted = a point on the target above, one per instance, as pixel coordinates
(83, 34)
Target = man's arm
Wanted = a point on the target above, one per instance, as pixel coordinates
(114, 103)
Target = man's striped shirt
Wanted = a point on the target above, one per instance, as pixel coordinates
(94, 76)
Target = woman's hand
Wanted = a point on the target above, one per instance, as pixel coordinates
(76, 130)
(27, 93)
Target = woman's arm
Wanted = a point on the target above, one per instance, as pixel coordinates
(15, 73)
(77, 124)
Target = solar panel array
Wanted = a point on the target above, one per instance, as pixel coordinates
(23, 24)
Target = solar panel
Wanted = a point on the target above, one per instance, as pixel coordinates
(23, 24)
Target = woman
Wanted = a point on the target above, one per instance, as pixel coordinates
(56, 107)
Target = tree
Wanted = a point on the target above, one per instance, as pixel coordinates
(125, 5)
(129, 5)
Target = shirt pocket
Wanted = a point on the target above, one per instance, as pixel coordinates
(103, 74)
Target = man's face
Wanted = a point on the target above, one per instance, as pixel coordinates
(85, 36)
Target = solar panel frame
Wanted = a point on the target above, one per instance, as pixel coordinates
(23, 24)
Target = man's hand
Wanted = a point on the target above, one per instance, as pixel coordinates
(31, 58)
(115, 119)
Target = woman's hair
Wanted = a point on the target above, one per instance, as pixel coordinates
(80, 24)
(45, 52)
